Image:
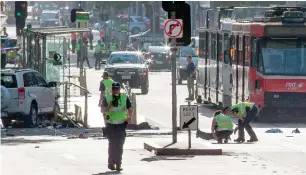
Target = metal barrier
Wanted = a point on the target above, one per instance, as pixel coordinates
(132, 97)
(66, 96)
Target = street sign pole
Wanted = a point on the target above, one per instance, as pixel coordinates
(189, 132)
(174, 100)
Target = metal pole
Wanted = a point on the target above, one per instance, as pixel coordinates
(24, 35)
(86, 110)
(81, 55)
(44, 57)
(189, 138)
(154, 27)
(174, 100)
(65, 98)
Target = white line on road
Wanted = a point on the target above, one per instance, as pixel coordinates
(70, 157)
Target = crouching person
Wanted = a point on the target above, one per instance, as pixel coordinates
(221, 127)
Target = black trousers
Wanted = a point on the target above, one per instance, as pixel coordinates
(98, 60)
(116, 137)
(223, 134)
(245, 124)
(73, 42)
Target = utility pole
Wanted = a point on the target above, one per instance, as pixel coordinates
(174, 98)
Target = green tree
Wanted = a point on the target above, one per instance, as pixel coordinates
(115, 4)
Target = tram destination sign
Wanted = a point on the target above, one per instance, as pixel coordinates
(285, 31)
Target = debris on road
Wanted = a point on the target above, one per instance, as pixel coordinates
(297, 131)
(274, 130)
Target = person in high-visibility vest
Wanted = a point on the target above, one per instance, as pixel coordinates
(105, 89)
(245, 112)
(78, 51)
(113, 46)
(99, 50)
(119, 111)
(221, 127)
(73, 41)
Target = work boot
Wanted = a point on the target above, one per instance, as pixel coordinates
(219, 141)
(239, 140)
(253, 140)
(111, 167)
(118, 167)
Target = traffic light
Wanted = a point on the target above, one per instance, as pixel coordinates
(21, 9)
(172, 6)
(182, 11)
(73, 14)
(20, 22)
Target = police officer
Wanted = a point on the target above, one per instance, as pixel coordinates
(78, 51)
(245, 112)
(113, 46)
(221, 127)
(119, 111)
(105, 90)
(98, 54)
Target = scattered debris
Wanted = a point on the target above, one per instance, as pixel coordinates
(274, 130)
(297, 131)
(36, 146)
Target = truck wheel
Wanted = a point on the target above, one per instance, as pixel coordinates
(31, 119)
(144, 90)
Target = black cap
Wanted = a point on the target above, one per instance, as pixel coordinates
(226, 108)
(105, 74)
(115, 85)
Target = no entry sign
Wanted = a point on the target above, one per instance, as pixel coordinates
(173, 28)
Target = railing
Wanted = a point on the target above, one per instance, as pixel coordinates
(66, 96)
(132, 97)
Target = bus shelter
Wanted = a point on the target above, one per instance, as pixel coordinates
(41, 44)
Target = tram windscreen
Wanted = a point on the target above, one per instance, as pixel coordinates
(248, 13)
(283, 57)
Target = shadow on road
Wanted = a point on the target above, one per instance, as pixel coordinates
(158, 158)
(109, 173)
(18, 141)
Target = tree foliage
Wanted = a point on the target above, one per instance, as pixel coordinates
(115, 4)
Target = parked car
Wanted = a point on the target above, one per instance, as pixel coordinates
(49, 19)
(138, 24)
(26, 95)
(129, 66)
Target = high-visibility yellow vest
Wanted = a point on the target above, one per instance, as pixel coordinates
(242, 108)
(108, 86)
(224, 123)
(117, 115)
(113, 47)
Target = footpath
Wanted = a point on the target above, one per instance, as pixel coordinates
(59, 155)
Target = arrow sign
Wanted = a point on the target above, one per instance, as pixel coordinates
(185, 125)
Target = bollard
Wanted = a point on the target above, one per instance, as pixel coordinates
(86, 110)
(134, 116)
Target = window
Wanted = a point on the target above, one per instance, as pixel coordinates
(40, 80)
(254, 53)
(227, 48)
(8, 81)
(49, 16)
(29, 80)
(284, 57)
(139, 19)
(220, 48)
(124, 59)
